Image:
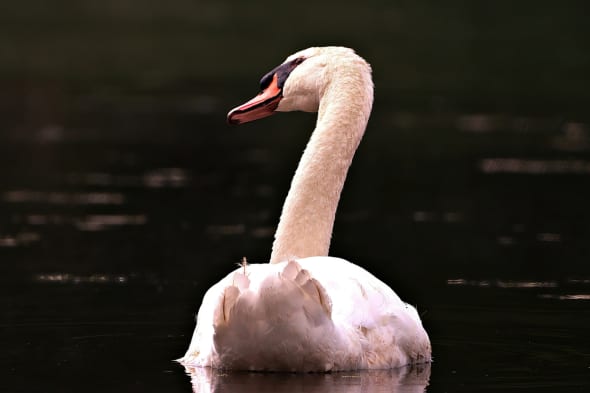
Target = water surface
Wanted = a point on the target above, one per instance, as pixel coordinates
(124, 195)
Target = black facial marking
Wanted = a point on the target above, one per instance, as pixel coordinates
(282, 72)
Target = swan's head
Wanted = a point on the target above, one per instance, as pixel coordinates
(295, 85)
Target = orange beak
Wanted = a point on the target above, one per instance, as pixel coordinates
(263, 105)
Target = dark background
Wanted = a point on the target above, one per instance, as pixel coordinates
(124, 195)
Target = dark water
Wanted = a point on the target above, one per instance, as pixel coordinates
(124, 196)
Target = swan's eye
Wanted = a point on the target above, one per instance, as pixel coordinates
(298, 60)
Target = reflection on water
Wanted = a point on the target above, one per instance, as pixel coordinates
(19, 239)
(226, 230)
(64, 198)
(113, 193)
(406, 379)
(166, 177)
(66, 278)
(561, 290)
(503, 284)
(446, 217)
(94, 222)
(566, 297)
(568, 135)
(156, 178)
(99, 222)
(534, 167)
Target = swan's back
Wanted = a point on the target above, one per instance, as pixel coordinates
(313, 314)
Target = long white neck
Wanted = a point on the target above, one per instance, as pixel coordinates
(307, 219)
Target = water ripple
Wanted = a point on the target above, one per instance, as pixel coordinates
(19, 239)
(534, 167)
(155, 178)
(67, 278)
(63, 198)
(99, 222)
(502, 283)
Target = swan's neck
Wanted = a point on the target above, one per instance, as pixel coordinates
(307, 219)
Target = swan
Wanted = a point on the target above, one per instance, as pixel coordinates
(306, 311)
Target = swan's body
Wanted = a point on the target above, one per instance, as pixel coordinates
(306, 311)
(313, 314)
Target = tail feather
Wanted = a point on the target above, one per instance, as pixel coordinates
(291, 270)
(309, 285)
(316, 291)
(228, 301)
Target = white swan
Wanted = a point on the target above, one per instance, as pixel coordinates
(306, 311)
